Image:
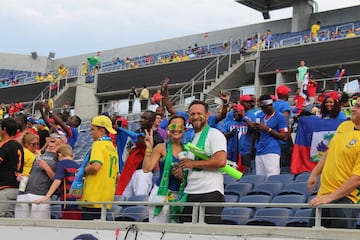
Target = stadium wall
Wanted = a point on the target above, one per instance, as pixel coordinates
(25, 62)
(280, 26)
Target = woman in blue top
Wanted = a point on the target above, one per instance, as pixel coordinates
(167, 156)
(330, 108)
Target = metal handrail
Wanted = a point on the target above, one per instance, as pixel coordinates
(198, 214)
(201, 76)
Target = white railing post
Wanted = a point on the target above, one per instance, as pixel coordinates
(230, 54)
(195, 212)
(201, 214)
(204, 82)
(103, 212)
(317, 217)
(217, 68)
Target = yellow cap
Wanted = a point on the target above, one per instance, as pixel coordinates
(103, 121)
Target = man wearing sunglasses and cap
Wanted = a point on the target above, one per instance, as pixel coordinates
(271, 127)
(101, 170)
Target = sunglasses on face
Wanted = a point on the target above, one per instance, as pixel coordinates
(176, 127)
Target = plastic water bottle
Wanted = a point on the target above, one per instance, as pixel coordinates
(23, 183)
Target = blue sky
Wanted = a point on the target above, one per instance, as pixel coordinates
(69, 27)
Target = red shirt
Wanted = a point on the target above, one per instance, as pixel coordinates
(321, 98)
(312, 86)
(157, 97)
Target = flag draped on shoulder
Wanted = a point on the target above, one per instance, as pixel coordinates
(121, 141)
(134, 159)
(312, 138)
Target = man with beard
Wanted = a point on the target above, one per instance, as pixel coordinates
(133, 181)
(204, 182)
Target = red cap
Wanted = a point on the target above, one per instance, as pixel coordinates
(246, 98)
(238, 107)
(273, 97)
(283, 90)
(124, 122)
(334, 95)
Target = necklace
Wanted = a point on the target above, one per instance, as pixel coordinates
(268, 117)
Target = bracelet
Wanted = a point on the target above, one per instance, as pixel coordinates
(270, 129)
(148, 150)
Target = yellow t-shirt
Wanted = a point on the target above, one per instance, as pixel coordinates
(315, 28)
(100, 187)
(343, 160)
(29, 159)
(144, 94)
(39, 78)
(51, 104)
(350, 35)
(83, 69)
(62, 72)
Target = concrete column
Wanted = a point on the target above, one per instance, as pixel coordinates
(86, 103)
(302, 10)
(280, 79)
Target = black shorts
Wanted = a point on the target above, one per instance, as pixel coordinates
(212, 214)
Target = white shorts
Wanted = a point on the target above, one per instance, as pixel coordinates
(139, 184)
(267, 164)
(41, 211)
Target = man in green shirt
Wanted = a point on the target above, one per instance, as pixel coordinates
(301, 71)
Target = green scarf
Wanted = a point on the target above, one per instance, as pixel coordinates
(164, 183)
(182, 197)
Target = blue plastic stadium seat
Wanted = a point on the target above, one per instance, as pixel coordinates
(253, 179)
(270, 189)
(301, 218)
(255, 199)
(281, 178)
(270, 217)
(55, 211)
(289, 198)
(231, 198)
(239, 188)
(295, 188)
(134, 214)
(228, 180)
(302, 177)
(236, 215)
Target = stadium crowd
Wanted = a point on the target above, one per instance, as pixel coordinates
(251, 134)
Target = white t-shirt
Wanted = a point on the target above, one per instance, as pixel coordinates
(153, 107)
(206, 181)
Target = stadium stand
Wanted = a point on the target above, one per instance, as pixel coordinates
(114, 80)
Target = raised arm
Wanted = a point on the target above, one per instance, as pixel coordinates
(168, 104)
(222, 114)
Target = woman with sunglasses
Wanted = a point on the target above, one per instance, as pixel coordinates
(166, 155)
(30, 143)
